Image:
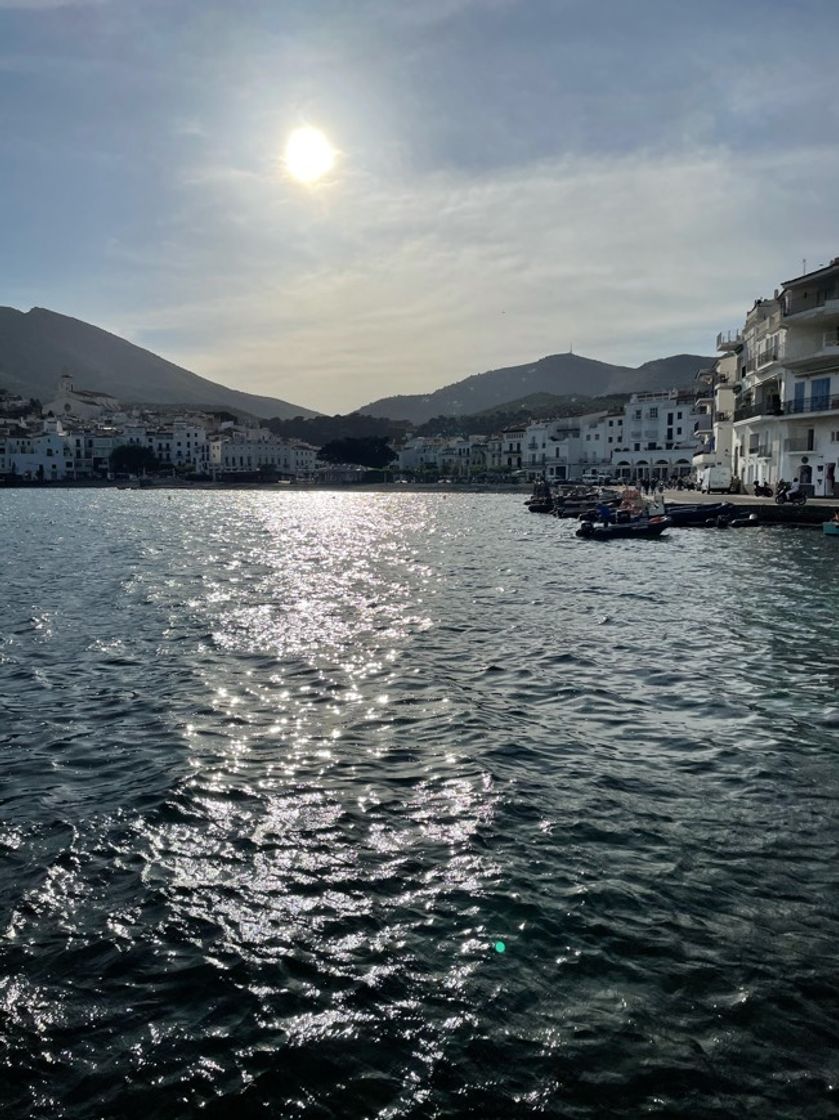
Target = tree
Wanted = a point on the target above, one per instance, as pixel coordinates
(131, 459)
(372, 451)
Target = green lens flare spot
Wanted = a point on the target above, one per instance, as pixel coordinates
(500, 947)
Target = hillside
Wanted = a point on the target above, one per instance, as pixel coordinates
(37, 346)
(558, 374)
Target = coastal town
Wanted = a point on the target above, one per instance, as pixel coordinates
(766, 410)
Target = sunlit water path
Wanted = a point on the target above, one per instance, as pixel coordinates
(404, 805)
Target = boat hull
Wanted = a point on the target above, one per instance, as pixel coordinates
(638, 531)
(830, 528)
(699, 516)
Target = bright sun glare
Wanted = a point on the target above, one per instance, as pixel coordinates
(308, 155)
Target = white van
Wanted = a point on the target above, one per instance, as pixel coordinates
(595, 478)
(715, 480)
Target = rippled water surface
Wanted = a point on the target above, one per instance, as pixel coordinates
(407, 805)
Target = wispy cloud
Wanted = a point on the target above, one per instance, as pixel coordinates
(625, 258)
(42, 5)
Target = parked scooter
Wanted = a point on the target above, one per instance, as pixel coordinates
(763, 490)
(786, 494)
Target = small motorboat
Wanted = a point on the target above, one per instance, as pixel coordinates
(637, 529)
(830, 528)
(699, 515)
(541, 500)
(635, 519)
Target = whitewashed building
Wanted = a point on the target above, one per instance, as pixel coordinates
(716, 401)
(786, 422)
(38, 456)
(659, 436)
(83, 404)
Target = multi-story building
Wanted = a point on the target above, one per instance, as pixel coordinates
(245, 450)
(44, 455)
(786, 422)
(512, 443)
(659, 436)
(715, 402)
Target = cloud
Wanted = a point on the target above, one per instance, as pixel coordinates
(44, 5)
(384, 288)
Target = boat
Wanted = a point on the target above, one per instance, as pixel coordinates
(636, 518)
(830, 528)
(541, 500)
(630, 530)
(699, 514)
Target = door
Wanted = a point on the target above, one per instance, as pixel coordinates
(798, 398)
(820, 394)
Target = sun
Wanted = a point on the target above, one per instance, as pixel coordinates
(308, 155)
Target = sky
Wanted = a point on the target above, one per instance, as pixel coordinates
(514, 178)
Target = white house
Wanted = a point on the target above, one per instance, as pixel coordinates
(659, 435)
(43, 455)
(786, 422)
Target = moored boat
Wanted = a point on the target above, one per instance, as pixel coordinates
(631, 530)
(635, 519)
(699, 514)
(830, 528)
(541, 500)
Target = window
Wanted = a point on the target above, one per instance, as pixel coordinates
(636, 415)
(678, 431)
(678, 415)
(820, 393)
(653, 413)
(636, 447)
(611, 422)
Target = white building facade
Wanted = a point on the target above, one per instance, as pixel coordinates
(786, 421)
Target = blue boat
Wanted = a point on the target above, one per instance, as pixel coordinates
(831, 528)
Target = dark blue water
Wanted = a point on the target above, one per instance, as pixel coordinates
(281, 774)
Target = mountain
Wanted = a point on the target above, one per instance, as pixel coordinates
(558, 374)
(37, 346)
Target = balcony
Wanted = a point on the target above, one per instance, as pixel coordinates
(748, 410)
(825, 353)
(722, 418)
(820, 305)
(813, 404)
(729, 340)
(799, 443)
(760, 451)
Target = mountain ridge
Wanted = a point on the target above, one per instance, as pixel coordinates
(557, 374)
(36, 346)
